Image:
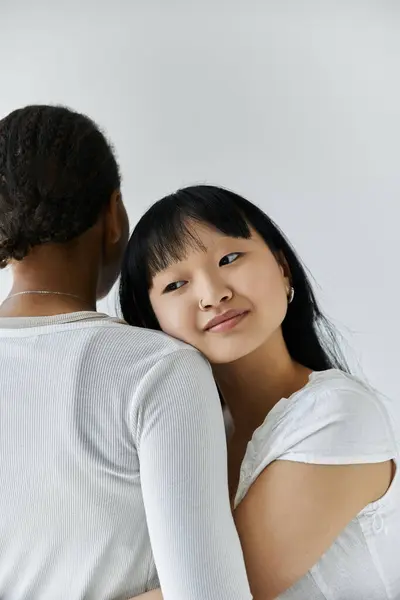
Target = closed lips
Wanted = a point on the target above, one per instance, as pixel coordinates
(226, 316)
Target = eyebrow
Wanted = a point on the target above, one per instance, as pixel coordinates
(172, 259)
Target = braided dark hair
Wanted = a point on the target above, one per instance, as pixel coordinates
(57, 172)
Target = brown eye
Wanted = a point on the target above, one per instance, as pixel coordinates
(175, 285)
(228, 259)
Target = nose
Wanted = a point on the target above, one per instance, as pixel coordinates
(214, 294)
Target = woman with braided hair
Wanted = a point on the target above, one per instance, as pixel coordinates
(107, 487)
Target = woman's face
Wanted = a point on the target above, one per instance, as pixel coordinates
(226, 297)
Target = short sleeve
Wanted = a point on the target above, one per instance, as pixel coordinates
(180, 437)
(337, 422)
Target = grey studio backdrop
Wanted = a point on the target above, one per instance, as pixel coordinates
(295, 105)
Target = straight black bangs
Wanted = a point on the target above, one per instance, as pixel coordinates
(167, 231)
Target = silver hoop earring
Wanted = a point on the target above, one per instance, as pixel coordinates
(291, 295)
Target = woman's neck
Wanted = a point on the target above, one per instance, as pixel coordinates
(73, 283)
(253, 385)
(32, 305)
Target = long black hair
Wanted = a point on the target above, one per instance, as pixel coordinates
(162, 235)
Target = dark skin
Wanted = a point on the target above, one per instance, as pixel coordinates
(86, 267)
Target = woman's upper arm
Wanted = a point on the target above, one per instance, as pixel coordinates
(312, 471)
(153, 595)
(182, 452)
(293, 513)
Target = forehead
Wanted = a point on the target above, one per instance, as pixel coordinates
(200, 239)
(213, 236)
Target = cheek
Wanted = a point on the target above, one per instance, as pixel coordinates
(266, 289)
(175, 320)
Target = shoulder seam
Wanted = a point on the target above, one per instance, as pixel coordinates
(161, 359)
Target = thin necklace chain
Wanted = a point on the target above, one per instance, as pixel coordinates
(43, 292)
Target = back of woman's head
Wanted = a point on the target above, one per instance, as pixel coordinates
(57, 172)
(162, 235)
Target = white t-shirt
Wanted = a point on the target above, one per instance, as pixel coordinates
(112, 466)
(337, 420)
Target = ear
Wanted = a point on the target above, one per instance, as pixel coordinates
(115, 219)
(115, 233)
(284, 267)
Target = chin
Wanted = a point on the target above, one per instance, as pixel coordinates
(225, 357)
(227, 351)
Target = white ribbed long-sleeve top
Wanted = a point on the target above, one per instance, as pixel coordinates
(112, 466)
